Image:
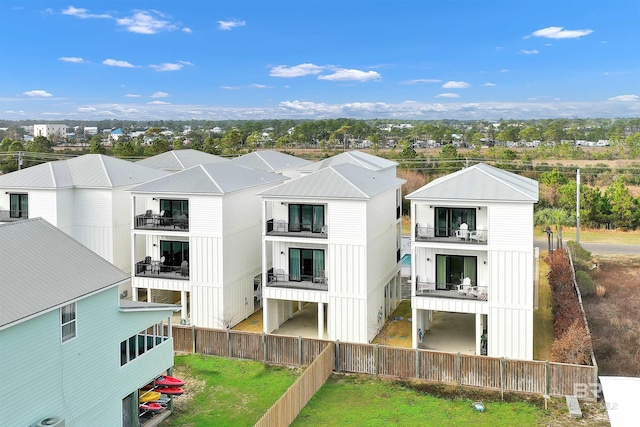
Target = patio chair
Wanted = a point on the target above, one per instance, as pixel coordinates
(479, 234)
(465, 288)
(462, 233)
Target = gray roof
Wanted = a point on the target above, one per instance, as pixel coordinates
(177, 160)
(87, 171)
(271, 161)
(480, 182)
(41, 268)
(213, 178)
(358, 158)
(344, 181)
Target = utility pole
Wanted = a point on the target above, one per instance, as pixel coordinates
(578, 206)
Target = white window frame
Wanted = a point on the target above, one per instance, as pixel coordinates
(72, 321)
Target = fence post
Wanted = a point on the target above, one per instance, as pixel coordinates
(299, 351)
(459, 360)
(377, 359)
(417, 363)
(228, 342)
(264, 347)
(337, 355)
(547, 382)
(193, 339)
(502, 375)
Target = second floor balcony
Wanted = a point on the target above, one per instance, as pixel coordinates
(425, 288)
(281, 279)
(13, 215)
(157, 269)
(283, 228)
(161, 221)
(429, 233)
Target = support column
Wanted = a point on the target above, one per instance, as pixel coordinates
(320, 320)
(478, 333)
(265, 315)
(394, 295)
(415, 324)
(183, 303)
(300, 305)
(134, 294)
(149, 299)
(427, 319)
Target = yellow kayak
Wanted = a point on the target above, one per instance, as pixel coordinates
(149, 396)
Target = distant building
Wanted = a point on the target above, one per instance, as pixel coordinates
(91, 130)
(57, 131)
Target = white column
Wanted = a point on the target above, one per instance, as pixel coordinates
(414, 327)
(300, 305)
(183, 303)
(134, 294)
(320, 320)
(478, 333)
(265, 315)
(149, 299)
(426, 320)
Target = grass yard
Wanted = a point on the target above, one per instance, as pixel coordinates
(226, 392)
(360, 401)
(543, 315)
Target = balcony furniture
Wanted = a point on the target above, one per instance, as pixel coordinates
(424, 231)
(184, 268)
(280, 226)
(479, 235)
(425, 286)
(279, 276)
(462, 233)
(480, 292)
(182, 221)
(465, 288)
(320, 277)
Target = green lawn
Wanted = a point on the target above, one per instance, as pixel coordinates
(356, 401)
(226, 392)
(594, 236)
(543, 315)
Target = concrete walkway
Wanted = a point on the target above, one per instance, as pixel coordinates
(451, 332)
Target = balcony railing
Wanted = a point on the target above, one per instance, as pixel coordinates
(283, 228)
(13, 215)
(450, 290)
(157, 222)
(425, 233)
(158, 270)
(298, 281)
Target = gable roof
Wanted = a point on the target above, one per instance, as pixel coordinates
(87, 171)
(358, 158)
(343, 181)
(270, 161)
(177, 160)
(480, 182)
(212, 178)
(41, 268)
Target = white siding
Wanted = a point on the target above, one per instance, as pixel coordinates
(205, 215)
(511, 224)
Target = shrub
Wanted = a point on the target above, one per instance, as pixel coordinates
(581, 258)
(585, 283)
(601, 291)
(574, 346)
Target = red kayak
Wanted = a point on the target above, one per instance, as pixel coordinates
(165, 380)
(151, 406)
(174, 391)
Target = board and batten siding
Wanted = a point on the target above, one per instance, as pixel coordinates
(348, 319)
(75, 372)
(514, 329)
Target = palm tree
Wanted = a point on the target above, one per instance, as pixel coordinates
(553, 217)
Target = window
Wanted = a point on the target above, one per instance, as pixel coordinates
(448, 220)
(306, 218)
(174, 208)
(174, 252)
(68, 321)
(451, 269)
(18, 206)
(305, 264)
(142, 342)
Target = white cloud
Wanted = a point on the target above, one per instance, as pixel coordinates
(448, 95)
(625, 98)
(158, 103)
(146, 22)
(351, 75)
(499, 47)
(37, 94)
(230, 87)
(419, 81)
(82, 13)
(117, 63)
(504, 70)
(259, 86)
(489, 84)
(74, 59)
(229, 25)
(87, 109)
(560, 33)
(132, 95)
(159, 95)
(295, 71)
(455, 85)
(187, 30)
(168, 66)
(529, 52)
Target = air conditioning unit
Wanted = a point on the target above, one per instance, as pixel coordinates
(51, 422)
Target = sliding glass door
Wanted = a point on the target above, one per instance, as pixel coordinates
(448, 220)
(451, 269)
(306, 218)
(305, 264)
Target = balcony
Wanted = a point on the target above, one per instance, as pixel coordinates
(283, 228)
(13, 215)
(152, 221)
(426, 233)
(156, 269)
(284, 280)
(450, 290)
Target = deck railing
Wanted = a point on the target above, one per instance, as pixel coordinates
(13, 215)
(449, 290)
(279, 227)
(429, 233)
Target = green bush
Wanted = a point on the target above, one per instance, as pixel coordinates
(585, 283)
(582, 260)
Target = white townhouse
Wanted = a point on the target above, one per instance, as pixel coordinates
(178, 160)
(50, 130)
(196, 238)
(332, 238)
(72, 352)
(472, 252)
(273, 161)
(84, 196)
(357, 158)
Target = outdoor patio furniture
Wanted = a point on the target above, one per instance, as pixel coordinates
(462, 233)
(465, 288)
(479, 235)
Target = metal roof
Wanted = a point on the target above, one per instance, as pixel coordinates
(270, 161)
(358, 158)
(343, 181)
(177, 160)
(480, 182)
(88, 171)
(41, 268)
(213, 178)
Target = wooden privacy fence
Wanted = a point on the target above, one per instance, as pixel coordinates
(287, 408)
(494, 373)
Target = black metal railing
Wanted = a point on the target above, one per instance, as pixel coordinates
(425, 232)
(157, 269)
(157, 222)
(450, 290)
(298, 281)
(308, 230)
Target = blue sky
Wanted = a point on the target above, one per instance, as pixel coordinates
(213, 60)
